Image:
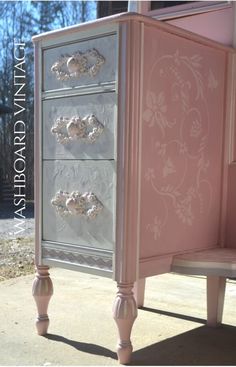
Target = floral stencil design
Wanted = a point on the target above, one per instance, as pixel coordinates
(196, 129)
(177, 107)
(156, 111)
(155, 228)
(168, 168)
(184, 208)
(150, 175)
(212, 82)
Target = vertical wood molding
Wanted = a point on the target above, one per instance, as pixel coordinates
(230, 109)
(230, 202)
(233, 109)
(229, 154)
(37, 149)
(234, 24)
(126, 262)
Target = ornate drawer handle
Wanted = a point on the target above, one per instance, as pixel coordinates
(78, 64)
(86, 204)
(88, 129)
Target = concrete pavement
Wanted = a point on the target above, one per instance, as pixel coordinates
(169, 330)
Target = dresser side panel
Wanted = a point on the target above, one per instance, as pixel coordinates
(182, 144)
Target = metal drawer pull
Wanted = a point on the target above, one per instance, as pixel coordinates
(86, 205)
(77, 65)
(87, 129)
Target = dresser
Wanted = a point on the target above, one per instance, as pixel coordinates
(132, 149)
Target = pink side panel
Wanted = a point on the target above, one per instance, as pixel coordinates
(231, 208)
(182, 144)
(216, 25)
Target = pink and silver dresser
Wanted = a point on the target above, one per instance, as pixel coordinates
(134, 155)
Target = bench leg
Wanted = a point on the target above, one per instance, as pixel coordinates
(215, 299)
(139, 291)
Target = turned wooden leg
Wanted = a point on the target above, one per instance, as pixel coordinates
(124, 313)
(215, 299)
(139, 291)
(42, 292)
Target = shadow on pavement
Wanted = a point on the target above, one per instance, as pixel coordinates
(83, 347)
(173, 314)
(200, 346)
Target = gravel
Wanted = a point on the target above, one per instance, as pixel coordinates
(16, 252)
(16, 257)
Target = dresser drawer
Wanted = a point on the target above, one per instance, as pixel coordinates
(82, 63)
(81, 127)
(86, 219)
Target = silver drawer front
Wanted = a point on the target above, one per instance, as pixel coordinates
(59, 143)
(97, 177)
(82, 63)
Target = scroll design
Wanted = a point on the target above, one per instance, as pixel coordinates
(88, 129)
(176, 110)
(78, 64)
(86, 205)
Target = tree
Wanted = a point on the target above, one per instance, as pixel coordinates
(20, 20)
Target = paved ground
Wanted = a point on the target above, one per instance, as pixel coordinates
(170, 329)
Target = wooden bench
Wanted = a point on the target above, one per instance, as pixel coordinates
(216, 264)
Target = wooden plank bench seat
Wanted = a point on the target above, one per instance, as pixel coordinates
(216, 264)
(216, 261)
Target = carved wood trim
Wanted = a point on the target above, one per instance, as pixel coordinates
(86, 205)
(78, 64)
(88, 260)
(86, 129)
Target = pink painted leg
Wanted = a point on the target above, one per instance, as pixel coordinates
(215, 299)
(42, 292)
(139, 292)
(124, 313)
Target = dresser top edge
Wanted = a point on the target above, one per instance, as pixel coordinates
(110, 24)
